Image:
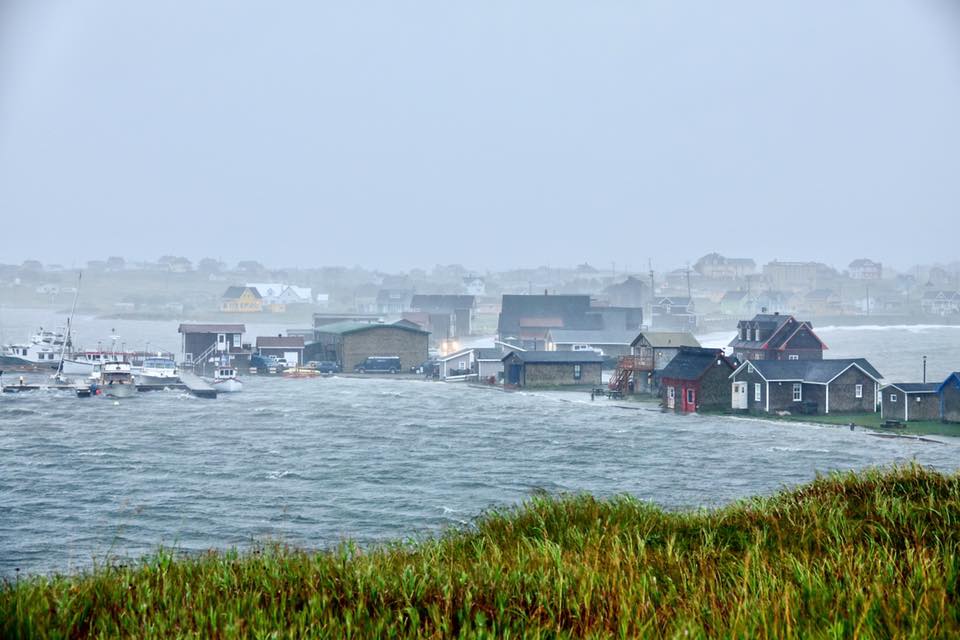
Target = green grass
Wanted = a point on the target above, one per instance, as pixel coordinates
(860, 556)
(874, 421)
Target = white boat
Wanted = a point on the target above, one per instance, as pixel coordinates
(116, 380)
(225, 380)
(159, 371)
(42, 350)
(82, 363)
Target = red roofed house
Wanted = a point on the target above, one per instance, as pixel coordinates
(776, 337)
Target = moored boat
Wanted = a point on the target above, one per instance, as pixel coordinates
(225, 380)
(116, 380)
(159, 371)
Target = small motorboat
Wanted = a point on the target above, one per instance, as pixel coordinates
(225, 380)
(116, 380)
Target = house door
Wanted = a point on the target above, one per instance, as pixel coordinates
(671, 397)
(513, 374)
(739, 395)
(689, 400)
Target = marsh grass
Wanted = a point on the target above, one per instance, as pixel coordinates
(857, 555)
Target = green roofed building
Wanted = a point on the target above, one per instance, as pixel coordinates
(350, 343)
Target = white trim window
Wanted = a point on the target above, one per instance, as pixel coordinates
(858, 391)
(797, 392)
(793, 356)
(893, 398)
(757, 392)
(577, 371)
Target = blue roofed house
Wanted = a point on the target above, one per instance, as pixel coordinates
(949, 394)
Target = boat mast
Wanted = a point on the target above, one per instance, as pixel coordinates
(66, 338)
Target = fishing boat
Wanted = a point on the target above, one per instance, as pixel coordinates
(42, 350)
(225, 380)
(116, 380)
(159, 371)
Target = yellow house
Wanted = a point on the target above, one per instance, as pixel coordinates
(241, 300)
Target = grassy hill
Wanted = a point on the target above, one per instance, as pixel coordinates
(866, 555)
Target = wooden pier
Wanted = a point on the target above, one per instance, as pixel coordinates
(197, 386)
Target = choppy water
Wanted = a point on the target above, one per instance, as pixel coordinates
(312, 462)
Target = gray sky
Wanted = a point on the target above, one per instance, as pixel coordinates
(494, 134)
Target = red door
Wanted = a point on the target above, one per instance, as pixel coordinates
(689, 400)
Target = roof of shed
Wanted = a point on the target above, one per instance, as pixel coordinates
(556, 357)
(667, 339)
(915, 387)
(211, 328)
(343, 328)
(280, 342)
(574, 336)
(814, 371)
(691, 363)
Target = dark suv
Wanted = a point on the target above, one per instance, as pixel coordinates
(328, 366)
(379, 364)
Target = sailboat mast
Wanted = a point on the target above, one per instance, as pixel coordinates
(66, 338)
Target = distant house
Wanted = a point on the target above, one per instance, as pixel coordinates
(949, 393)
(393, 301)
(822, 302)
(552, 368)
(848, 385)
(295, 295)
(940, 302)
(632, 292)
(865, 269)
(674, 313)
(526, 319)
(474, 286)
(910, 401)
(606, 343)
(736, 303)
(776, 337)
(270, 293)
(241, 300)
(696, 380)
(207, 345)
(350, 343)
(718, 267)
(450, 316)
(797, 275)
(290, 348)
(460, 363)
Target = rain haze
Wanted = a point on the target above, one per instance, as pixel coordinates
(397, 135)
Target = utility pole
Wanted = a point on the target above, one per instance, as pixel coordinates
(924, 369)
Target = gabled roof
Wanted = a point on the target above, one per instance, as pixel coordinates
(236, 292)
(211, 328)
(343, 328)
(809, 371)
(955, 377)
(667, 339)
(556, 357)
(280, 342)
(489, 353)
(733, 296)
(911, 388)
(455, 355)
(692, 364)
(574, 336)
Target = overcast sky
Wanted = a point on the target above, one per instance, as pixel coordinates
(493, 134)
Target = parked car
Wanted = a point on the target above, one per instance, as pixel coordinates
(379, 364)
(327, 366)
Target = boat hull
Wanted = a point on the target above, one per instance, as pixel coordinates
(126, 390)
(226, 385)
(157, 380)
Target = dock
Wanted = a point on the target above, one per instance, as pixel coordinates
(197, 385)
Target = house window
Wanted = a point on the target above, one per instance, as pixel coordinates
(858, 391)
(749, 368)
(756, 392)
(758, 355)
(756, 335)
(893, 397)
(237, 338)
(793, 356)
(797, 392)
(576, 371)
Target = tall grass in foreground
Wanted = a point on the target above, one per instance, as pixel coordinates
(858, 555)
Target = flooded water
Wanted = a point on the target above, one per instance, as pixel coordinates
(313, 462)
